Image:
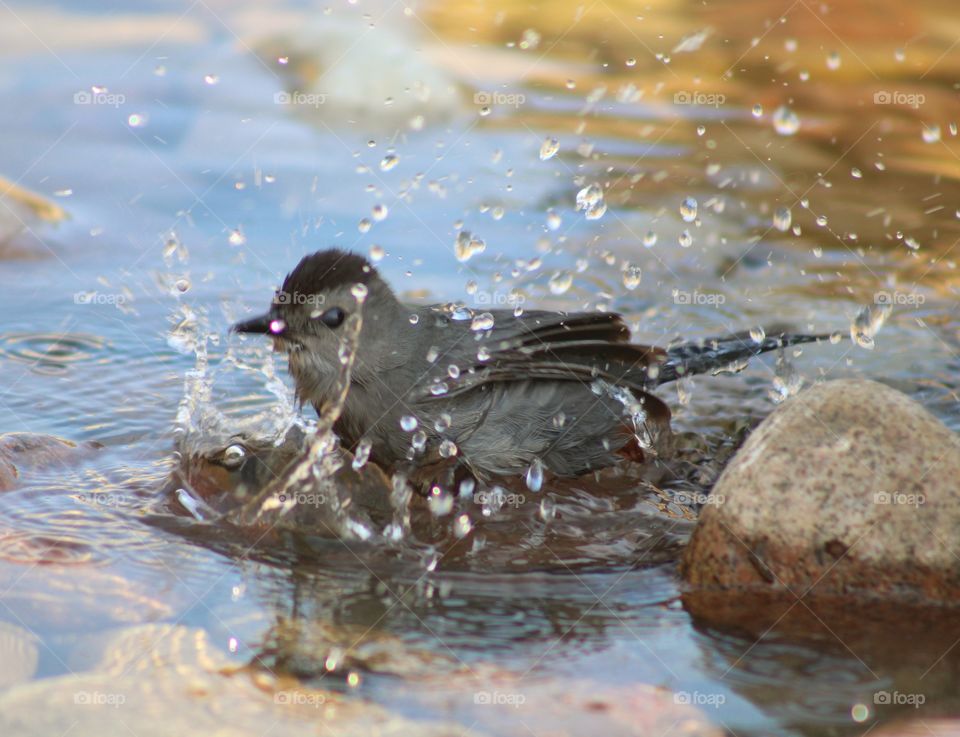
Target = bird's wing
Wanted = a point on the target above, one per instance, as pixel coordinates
(553, 346)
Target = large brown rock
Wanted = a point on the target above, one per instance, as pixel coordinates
(849, 487)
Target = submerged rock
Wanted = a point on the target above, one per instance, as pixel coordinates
(19, 450)
(850, 487)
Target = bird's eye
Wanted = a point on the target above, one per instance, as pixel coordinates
(233, 455)
(333, 317)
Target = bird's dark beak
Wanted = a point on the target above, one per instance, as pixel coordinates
(254, 325)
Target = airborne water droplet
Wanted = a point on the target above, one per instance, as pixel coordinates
(650, 239)
(362, 454)
(388, 162)
(782, 219)
(534, 476)
(483, 321)
(688, 210)
(631, 276)
(685, 239)
(408, 423)
(931, 133)
(549, 148)
(867, 324)
(785, 121)
(560, 282)
(757, 334)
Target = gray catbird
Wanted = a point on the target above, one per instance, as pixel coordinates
(438, 386)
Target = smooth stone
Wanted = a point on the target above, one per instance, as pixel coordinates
(849, 487)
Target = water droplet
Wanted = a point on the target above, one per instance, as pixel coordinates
(236, 238)
(560, 282)
(856, 173)
(466, 246)
(757, 334)
(137, 120)
(414, 319)
(182, 285)
(534, 476)
(483, 353)
(362, 453)
(757, 110)
(483, 321)
(554, 221)
(782, 218)
(453, 371)
(650, 239)
(462, 527)
(389, 162)
(549, 148)
(364, 225)
(211, 79)
(867, 324)
(439, 502)
(596, 212)
(419, 440)
(439, 388)
(833, 61)
(376, 253)
(448, 449)
(785, 121)
(685, 239)
(631, 62)
(688, 210)
(484, 111)
(359, 292)
(529, 40)
(899, 55)
(408, 423)
(931, 133)
(589, 198)
(571, 84)
(379, 212)
(631, 276)
(701, 129)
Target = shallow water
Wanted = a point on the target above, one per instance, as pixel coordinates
(188, 145)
